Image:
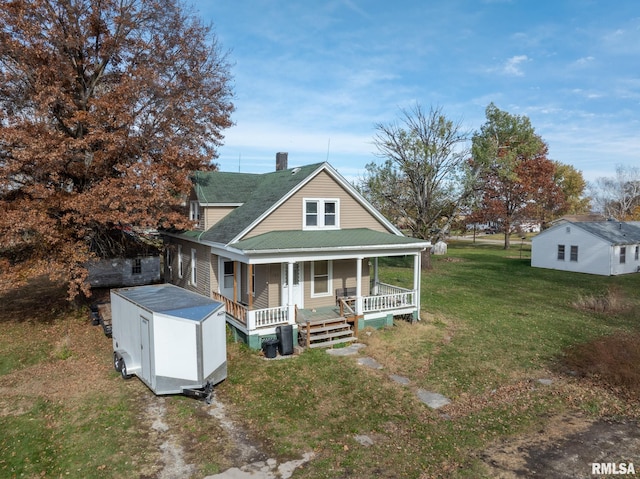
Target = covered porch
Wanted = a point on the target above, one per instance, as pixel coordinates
(378, 309)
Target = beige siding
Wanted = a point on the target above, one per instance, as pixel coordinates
(343, 276)
(274, 286)
(289, 215)
(213, 214)
(213, 267)
(203, 267)
(261, 273)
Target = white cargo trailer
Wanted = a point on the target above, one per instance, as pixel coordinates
(172, 339)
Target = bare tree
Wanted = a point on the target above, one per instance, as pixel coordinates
(618, 196)
(423, 181)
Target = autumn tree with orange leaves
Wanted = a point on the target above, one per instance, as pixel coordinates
(517, 179)
(105, 107)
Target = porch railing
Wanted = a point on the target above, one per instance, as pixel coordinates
(261, 318)
(237, 310)
(389, 297)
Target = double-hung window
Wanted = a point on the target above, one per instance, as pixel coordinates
(194, 267)
(321, 213)
(561, 252)
(321, 278)
(623, 254)
(574, 253)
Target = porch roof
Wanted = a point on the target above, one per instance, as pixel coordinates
(356, 238)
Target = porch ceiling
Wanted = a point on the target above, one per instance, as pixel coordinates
(330, 239)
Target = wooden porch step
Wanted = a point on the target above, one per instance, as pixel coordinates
(325, 333)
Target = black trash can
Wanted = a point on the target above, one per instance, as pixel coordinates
(270, 348)
(285, 339)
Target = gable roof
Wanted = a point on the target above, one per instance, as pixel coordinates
(613, 232)
(258, 196)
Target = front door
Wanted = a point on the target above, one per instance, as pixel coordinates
(296, 283)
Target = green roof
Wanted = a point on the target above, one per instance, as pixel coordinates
(257, 193)
(317, 240)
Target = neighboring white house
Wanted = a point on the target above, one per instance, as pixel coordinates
(595, 247)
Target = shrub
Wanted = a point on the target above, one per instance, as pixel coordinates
(612, 361)
(611, 301)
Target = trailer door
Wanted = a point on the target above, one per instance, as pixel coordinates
(145, 350)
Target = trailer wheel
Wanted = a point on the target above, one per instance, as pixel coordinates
(123, 370)
(117, 362)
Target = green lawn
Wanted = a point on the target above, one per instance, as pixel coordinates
(491, 327)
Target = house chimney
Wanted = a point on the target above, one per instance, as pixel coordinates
(282, 158)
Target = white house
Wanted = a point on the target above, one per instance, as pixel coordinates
(595, 247)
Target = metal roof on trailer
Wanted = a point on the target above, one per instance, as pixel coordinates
(171, 300)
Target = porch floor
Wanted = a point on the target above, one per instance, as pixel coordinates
(318, 314)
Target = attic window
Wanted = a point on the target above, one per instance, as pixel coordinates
(321, 213)
(568, 229)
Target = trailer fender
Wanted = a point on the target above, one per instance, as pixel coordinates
(122, 359)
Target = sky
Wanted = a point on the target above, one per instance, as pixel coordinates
(314, 77)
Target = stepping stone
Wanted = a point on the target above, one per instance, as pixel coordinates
(400, 379)
(431, 399)
(370, 363)
(347, 350)
(546, 382)
(364, 440)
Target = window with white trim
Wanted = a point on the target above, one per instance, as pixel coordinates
(637, 255)
(623, 254)
(194, 267)
(228, 274)
(321, 272)
(194, 211)
(179, 261)
(321, 213)
(561, 252)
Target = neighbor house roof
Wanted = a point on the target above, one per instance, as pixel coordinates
(614, 232)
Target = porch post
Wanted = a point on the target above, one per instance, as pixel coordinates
(235, 281)
(250, 287)
(416, 281)
(375, 276)
(291, 310)
(359, 300)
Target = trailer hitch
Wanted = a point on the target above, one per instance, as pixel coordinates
(204, 392)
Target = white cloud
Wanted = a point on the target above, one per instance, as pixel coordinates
(512, 66)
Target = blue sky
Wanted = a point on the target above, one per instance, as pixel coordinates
(312, 78)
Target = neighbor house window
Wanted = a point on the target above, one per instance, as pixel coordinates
(637, 255)
(136, 266)
(623, 254)
(179, 261)
(194, 267)
(321, 277)
(561, 252)
(321, 213)
(228, 274)
(574, 253)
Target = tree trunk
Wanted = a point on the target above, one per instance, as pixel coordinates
(506, 239)
(426, 260)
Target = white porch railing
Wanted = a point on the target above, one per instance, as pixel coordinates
(389, 297)
(262, 318)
